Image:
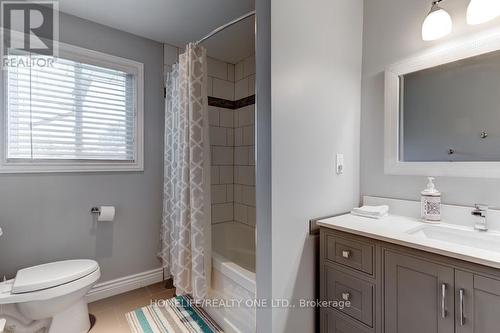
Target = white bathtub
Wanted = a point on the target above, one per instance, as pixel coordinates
(236, 242)
(233, 259)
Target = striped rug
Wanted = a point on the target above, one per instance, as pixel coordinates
(176, 315)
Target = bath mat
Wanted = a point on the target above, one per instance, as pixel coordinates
(176, 315)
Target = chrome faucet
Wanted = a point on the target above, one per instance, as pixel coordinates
(481, 211)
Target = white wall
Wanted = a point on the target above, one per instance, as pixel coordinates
(392, 33)
(316, 49)
(263, 170)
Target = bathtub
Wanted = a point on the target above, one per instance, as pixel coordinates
(233, 276)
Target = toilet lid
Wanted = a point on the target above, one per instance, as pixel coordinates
(52, 275)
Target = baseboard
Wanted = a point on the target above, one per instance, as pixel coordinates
(122, 285)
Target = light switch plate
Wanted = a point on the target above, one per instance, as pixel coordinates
(339, 165)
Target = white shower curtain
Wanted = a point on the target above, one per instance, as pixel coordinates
(185, 229)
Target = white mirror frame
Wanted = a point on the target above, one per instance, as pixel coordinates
(460, 49)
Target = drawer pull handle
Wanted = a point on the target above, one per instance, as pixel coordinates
(443, 300)
(346, 254)
(346, 296)
(462, 316)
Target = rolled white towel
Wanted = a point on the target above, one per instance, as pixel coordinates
(374, 212)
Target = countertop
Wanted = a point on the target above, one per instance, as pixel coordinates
(394, 229)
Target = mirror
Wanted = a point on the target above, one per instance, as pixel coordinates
(442, 110)
(451, 112)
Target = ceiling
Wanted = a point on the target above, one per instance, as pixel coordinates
(175, 22)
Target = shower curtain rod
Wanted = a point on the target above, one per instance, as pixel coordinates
(225, 26)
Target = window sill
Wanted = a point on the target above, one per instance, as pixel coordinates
(51, 167)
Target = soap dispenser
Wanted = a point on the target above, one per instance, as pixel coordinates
(430, 202)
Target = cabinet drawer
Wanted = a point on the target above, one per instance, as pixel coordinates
(332, 322)
(351, 253)
(342, 287)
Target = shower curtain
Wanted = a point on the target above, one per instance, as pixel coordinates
(186, 222)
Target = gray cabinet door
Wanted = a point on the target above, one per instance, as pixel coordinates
(477, 305)
(418, 295)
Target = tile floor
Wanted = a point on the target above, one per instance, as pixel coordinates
(110, 312)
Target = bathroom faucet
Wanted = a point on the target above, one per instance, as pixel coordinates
(481, 211)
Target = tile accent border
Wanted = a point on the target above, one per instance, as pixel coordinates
(232, 105)
(220, 103)
(241, 103)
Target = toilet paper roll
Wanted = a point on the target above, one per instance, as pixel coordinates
(107, 214)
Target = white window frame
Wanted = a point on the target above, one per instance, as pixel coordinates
(96, 58)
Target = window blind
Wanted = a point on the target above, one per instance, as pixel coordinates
(70, 111)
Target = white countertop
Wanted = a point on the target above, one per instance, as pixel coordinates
(394, 228)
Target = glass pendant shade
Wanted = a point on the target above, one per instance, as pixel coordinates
(481, 11)
(437, 24)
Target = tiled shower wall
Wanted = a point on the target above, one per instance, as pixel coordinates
(232, 141)
(232, 137)
(221, 85)
(244, 144)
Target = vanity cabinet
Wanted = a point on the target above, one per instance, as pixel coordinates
(418, 295)
(477, 303)
(333, 322)
(395, 289)
(349, 272)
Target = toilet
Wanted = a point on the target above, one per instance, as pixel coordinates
(50, 296)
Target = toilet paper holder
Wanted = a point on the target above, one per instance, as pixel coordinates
(103, 213)
(95, 211)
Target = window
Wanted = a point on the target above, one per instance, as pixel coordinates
(84, 113)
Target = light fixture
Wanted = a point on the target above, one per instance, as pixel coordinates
(481, 11)
(438, 23)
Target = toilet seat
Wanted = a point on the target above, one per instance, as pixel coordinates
(7, 296)
(51, 275)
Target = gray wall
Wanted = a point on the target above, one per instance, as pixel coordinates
(45, 217)
(316, 90)
(392, 32)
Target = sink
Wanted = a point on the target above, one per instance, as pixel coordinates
(464, 236)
